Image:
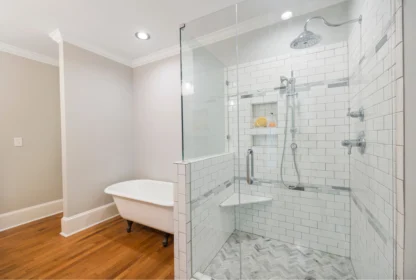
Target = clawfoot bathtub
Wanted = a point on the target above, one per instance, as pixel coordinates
(146, 202)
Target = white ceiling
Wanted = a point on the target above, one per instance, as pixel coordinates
(108, 26)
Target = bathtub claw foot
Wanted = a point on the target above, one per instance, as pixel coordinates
(129, 224)
(166, 240)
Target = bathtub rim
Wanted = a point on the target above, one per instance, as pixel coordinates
(112, 192)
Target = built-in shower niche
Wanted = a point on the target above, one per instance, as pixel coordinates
(263, 127)
(261, 138)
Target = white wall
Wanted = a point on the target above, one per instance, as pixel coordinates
(29, 108)
(157, 120)
(410, 129)
(98, 124)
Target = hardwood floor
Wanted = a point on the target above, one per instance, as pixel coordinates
(105, 251)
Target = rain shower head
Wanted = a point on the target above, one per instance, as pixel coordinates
(308, 39)
(305, 40)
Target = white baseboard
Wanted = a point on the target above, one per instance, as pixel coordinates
(82, 221)
(26, 215)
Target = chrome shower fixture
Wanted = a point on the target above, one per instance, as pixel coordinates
(308, 39)
(284, 79)
(288, 84)
(356, 114)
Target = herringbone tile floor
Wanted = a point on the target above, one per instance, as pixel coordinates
(265, 258)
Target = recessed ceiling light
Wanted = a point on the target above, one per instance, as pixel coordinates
(142, 35)
(287, 15)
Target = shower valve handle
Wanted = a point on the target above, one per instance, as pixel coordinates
(359, 142)
(356, 114)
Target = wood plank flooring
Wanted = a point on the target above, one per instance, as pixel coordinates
(105, 251)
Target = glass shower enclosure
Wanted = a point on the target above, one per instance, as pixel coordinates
(288, 120)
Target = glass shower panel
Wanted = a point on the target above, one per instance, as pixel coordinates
(207, 46)
(203, 88)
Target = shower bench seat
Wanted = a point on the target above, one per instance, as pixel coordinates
(239, 199)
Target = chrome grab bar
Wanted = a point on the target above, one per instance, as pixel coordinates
(250, 178)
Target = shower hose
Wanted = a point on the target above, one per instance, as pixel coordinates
(293, 146)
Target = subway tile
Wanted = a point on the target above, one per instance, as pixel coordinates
(309, 223)
(309, 237)
(343, 229)
(328, 241)
(316, 217)
(328, 234)
(325, 226)
(336, 251)
(318, 246)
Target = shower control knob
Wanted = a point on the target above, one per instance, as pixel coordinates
(359, 142)
(356, 114)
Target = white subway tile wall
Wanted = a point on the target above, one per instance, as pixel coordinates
(318, 220)
(212, 182)
(320, 115)
(315, 218)
(375, 84)
(181, 222)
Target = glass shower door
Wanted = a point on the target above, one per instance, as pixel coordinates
(294, 217)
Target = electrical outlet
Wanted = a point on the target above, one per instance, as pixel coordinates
(18, 141)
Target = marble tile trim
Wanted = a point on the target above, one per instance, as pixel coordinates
(309, 188)
(202, 198)
(378, 228)
(381, 43)
(299, 88)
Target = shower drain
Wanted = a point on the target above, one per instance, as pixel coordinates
(309, 278)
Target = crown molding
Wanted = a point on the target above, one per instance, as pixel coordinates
(28, 54)
(158, 55)
(97, 50)
(211, 38)
(208, 39)
(57, 36)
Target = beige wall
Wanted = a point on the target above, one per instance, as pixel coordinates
(29, 108)
(98, 124)
(157, 119)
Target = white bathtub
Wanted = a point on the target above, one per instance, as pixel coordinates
(146, 202)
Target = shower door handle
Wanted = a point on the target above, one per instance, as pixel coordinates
(250, 177)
